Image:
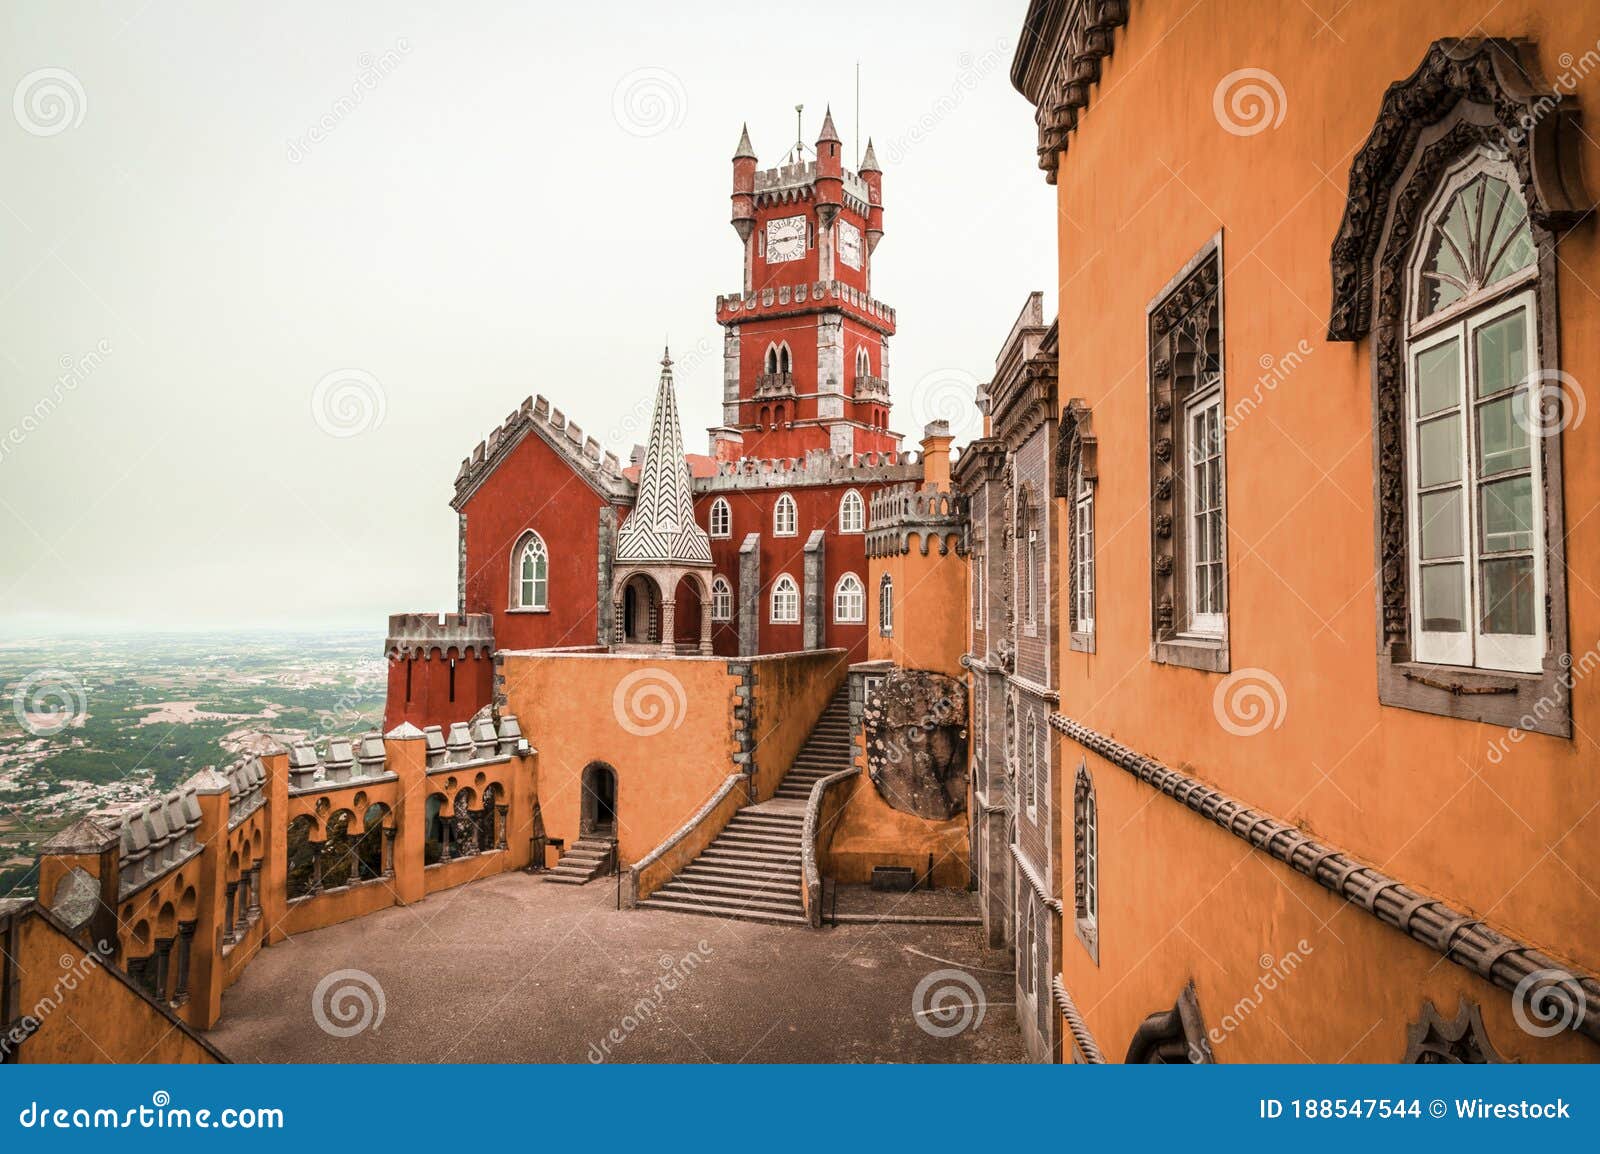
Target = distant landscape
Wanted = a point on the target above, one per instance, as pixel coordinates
(96, 723)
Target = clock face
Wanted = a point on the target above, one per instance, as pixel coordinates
(849, 244)
(786, 239)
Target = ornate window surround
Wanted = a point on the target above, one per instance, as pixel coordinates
(1077, 481)
(886, 606)
(1466, 95)
(1086, 862)
(1192, 297)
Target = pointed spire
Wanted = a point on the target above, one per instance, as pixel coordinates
(662, 529)
(744, 151)
(829, 133)
(869, 162)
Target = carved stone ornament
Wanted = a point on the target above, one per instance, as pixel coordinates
(916, 732)
(1431, 1040)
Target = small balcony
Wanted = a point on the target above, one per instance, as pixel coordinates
(871, 388)
(775, 387)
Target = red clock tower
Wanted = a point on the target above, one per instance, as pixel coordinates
(806, 347)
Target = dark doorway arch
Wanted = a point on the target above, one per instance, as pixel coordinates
(599, 814)
(641, 607)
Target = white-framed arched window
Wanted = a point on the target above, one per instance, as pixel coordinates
(530, 573)
(886, 605)
(1086, 861)
(1477, 518)
(852, 513)
(721, 599)
(785, 517)
(863, 362)
(785, 601)
(721, 518)
(849, 601)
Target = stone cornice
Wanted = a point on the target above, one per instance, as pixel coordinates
(1454, 934)
(1057, 62)
(982, 460)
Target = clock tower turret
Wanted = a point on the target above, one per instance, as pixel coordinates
(805, 344)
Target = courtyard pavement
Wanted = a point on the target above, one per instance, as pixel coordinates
(512, 969)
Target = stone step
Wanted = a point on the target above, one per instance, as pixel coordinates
(758, 854)
(773, 874)
(773, 845)
(658, 901)
(737, 859)
(781, 824)
(781, 887)
(754, 899)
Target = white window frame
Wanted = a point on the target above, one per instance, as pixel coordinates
(1460, 322)
(1086, 855)
(785, 601)
(886, 606)
(721, 599)
(535, 604)
(719, 521)
(785, 503)
(849, 586)
(977, 590)
(1214, 624)
(1083, 553)
(851, 503)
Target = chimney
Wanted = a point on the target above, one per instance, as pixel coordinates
(936, 455)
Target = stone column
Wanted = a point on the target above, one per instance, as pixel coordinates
(444, 836)
(163, 959)
(255, 890)
(386, 864)
(500, 826)
(619, 626)
(669, 627)
(180, 994)
(315, 885)
(228, 918)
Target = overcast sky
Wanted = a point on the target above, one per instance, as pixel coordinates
(269, 271)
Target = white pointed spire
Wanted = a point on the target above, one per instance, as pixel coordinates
(662, 529)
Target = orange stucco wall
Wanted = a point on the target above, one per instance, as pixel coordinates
(791, 691)
(930, 609)
(1423, 796)
(868, 832)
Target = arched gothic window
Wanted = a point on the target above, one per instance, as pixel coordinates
(721, 518)
(849, 601)
(1086, 862)
(785, 601)
(852, 513)
(785, 517)
(530, 577)
(886, 605)
(721, 599)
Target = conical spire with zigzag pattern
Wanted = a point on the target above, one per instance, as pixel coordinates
(662, 529)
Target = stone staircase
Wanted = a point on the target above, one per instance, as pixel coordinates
(586, 860)
(751, 870)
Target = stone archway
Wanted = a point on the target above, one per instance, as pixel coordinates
(639, 612)
(598, 816)
(634, 588)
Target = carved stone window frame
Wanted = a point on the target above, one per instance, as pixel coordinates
(1086, 862)
(1465, 96)
(1193, 297)
(1076, 449)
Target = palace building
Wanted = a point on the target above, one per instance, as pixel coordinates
(1321, 514)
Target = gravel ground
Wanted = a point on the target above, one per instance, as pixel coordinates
(514, 970)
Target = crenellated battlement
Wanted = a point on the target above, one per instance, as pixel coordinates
(419, 634)
(926, 514)
(781, 300)
(818, 467)
(599, 466)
